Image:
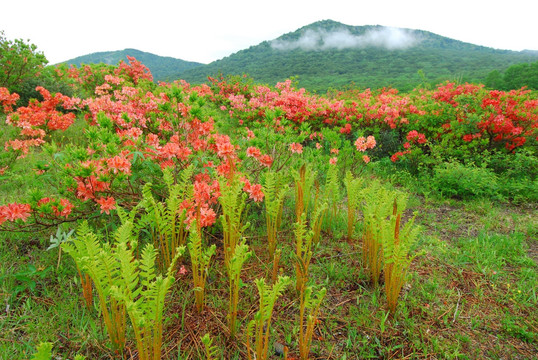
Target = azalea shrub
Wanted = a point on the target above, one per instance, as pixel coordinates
(133, 130)
(423, 127)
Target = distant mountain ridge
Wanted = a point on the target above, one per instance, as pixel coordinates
(329, 54)
(163, 68)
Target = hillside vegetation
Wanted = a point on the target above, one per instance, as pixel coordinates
(329, 54)
(163, 68)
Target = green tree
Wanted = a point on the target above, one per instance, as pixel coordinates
(495, 80)
(19, 60)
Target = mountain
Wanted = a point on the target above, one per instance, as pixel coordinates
(162, 68)
(330, 54)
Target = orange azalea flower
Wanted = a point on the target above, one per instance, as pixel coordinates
(14, 211)
(67, 207)
(106, 204)
(119, 164)
(360, 144)
(266, 160)
(253, 152)
(296, 148)
(255, 192)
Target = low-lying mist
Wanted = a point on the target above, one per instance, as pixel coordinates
(385, 37)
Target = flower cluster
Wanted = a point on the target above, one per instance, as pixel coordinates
(7, 100)
(362, 144)
(14, 211)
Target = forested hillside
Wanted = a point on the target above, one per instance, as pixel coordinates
(330, 54)
(163, 68)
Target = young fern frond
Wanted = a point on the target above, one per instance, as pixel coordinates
(353, 190)
(304, 179)
(200, 260)
(303, 253)
(378, 205)
(44, 352)
(233, 202)
(312, 304)
(397, 244)
(211, 351)
(240, 256)
(262, 320)
(275, 193)
(143, 294)
(99, 262)
(332, 195)
(125, 284)
(317, 220)
(166, 220)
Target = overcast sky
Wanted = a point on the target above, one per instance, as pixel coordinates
(204, 31)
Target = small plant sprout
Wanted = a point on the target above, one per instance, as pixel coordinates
(44, 352)
(200, 260)
(211, 351)
(260, 327)
(57, 240)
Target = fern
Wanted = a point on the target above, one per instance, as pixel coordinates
(332, 195)
(304, 179)
(275, 193)
(99, 263)
(44, 352)
(233, 202)
(262, 320)
(378, 205)
(353, 190)
(125, 285)
(200, 263)
(240, 256)
(211, 351)
(303, 253)
(166, 220)
(143, 293)
(308, 322)
(396, 247)
(317, 221)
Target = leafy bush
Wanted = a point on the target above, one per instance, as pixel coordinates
(461, 181)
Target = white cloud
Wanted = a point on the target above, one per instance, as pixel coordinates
(386, 37)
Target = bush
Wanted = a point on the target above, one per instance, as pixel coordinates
(454, 179)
